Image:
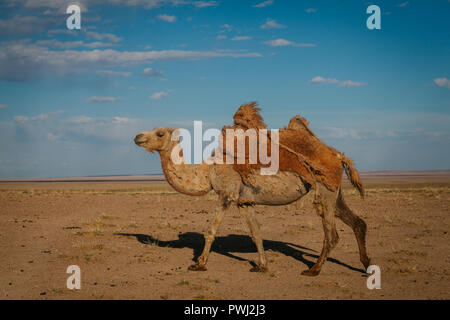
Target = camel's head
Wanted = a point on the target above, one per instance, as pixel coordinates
(158, 139)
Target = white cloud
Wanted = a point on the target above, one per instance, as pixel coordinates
(160, 95)
(103, 99)
(320, 79)
(166, 18)
(20, 119)
(35, 148)
(376, 133)
(311, 10)
(442, 82)
(102, 36)
(26, 25)
(279, 43)
(22, 60)
(350, 83)
(263, 4)
(205, 4)
(96, 44)
(62, 31)
(53, 43)
(113, 73)
(149, 72)
(340, 133)
(3, 106)
(226, 27)
(241, 38)
(38, 118)
(52, 136)
(85, 4)
(39, 23)
(272, 24)
(79, 119)
(345, 84)
(40, 126)
(55, 4)
(287, 43)
(121, 120)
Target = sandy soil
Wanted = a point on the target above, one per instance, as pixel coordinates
(135, 240)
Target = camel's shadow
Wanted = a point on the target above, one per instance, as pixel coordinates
(236, 244)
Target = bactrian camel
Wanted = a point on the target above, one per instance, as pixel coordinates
(282, 188)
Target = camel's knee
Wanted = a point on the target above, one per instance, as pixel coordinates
(360, 229)
(357, 224)
(320, 206)
(334, 240)
(330, 244)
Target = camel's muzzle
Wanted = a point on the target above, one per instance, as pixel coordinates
(140, 139)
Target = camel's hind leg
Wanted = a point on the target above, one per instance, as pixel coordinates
(357, 224)
(325, 207)
(249, 214)
(200, 265)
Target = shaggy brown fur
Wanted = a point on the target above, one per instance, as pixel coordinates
(352, 174)
(301, 151)
(301, 124)
(248, 117)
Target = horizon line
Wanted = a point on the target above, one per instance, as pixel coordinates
(161, 177)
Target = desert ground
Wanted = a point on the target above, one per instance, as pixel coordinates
(134, 239)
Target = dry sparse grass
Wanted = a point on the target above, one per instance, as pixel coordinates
(411, 253)
(407, 237)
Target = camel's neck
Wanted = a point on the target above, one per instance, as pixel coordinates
(188, 179)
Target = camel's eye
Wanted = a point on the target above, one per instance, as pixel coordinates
(160, 134)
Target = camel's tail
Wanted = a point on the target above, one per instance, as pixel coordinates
(352, 174)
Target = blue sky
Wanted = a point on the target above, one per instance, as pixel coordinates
(71, 101)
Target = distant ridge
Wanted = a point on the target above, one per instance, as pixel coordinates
(411, 173)
(160, 177)
(109, 178)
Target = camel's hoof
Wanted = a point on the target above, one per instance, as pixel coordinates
(258, 269)
(310, 273)
(197, 267)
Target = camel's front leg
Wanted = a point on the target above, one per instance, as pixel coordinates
(200, 265)
(249, 214)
